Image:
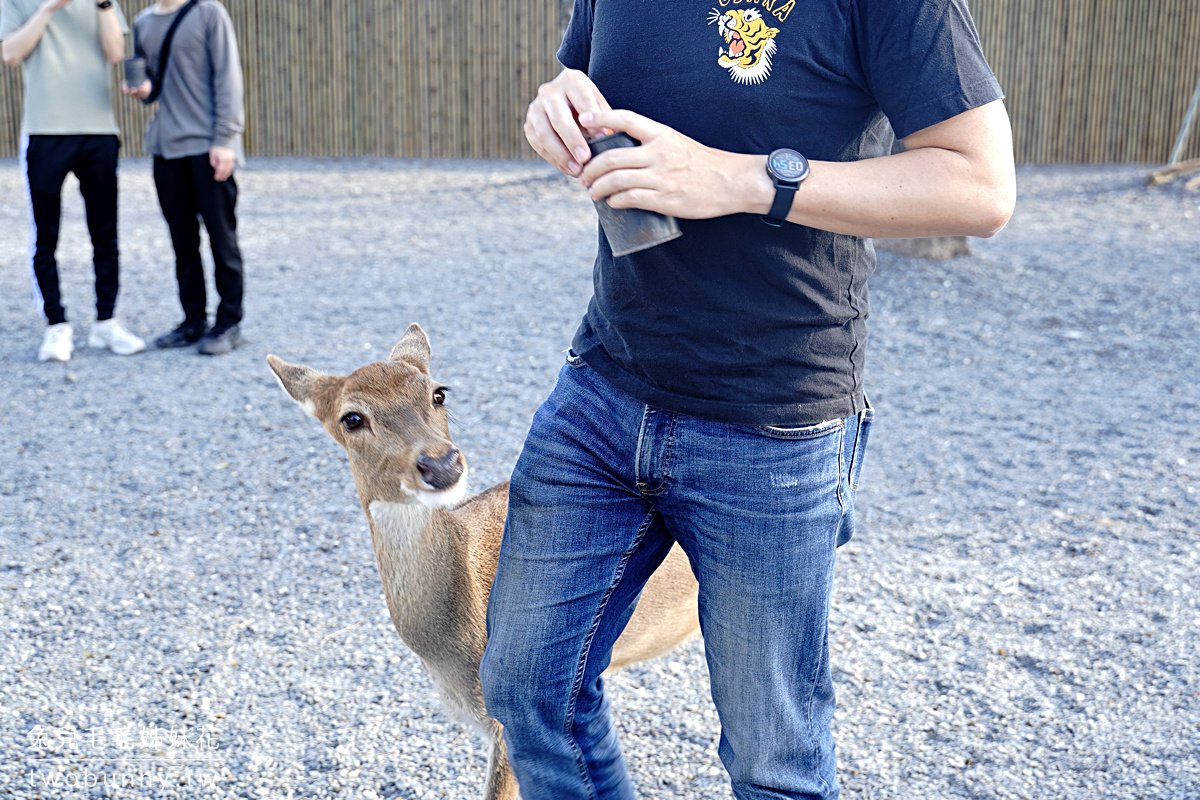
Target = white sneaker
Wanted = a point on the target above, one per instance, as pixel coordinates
(112, 335)
(57, 345)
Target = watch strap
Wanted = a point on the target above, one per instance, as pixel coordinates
(784, 192)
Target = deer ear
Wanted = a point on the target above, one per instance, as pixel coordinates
(413, 347)
(304, 384)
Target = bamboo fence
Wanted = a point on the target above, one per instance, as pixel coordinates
(1086, 80)
(1094, 80)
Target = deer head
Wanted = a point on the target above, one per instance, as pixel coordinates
(391, 418)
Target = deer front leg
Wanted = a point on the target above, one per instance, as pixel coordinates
(501, 783)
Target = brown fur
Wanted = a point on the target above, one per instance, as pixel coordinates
(437, 561)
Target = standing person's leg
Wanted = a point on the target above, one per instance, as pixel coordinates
(95, 164)
(760, 512)
(47, 161)
(96, 167)
(579, 543)
(217, 202)
(176, 197)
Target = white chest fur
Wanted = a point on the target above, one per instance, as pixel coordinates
(400, 524)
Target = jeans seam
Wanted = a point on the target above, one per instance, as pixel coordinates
(812, 736)
(637, 453)
(661, 489)
(841, 451)
(643, 440)
(800, 434)
(864, 419)
(581, 668)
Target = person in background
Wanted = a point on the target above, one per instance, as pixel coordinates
(65, 49)
(195, 137)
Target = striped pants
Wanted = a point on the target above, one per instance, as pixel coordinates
(93, 159)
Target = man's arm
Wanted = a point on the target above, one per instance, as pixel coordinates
(955, 178)
(112, 38)
(17, 46)
(227, 93)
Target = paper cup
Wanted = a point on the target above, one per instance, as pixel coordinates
(630, 230)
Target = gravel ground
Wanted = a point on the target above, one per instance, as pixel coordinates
(187, 578)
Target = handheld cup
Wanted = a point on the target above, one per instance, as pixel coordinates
(629, 230)
(135, 72)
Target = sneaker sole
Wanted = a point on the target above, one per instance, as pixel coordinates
(233, 345)
(100, 344)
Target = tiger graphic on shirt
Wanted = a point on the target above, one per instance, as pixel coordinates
(749, 44)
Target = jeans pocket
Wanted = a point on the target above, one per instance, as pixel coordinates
(860, 445)
(803, 432)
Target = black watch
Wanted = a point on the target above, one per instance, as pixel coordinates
(787, 170)
(103, 4)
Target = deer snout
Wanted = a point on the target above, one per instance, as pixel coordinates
(441, 471)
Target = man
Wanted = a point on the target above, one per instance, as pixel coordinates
(196, 140)
(714, 393)
(65, 49)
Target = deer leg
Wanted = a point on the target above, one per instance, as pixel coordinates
(501, 783)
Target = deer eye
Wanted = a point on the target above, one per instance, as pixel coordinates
(439, 395)
(352, 421)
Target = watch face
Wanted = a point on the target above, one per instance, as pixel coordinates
(788, 165)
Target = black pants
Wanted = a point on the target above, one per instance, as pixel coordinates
(187, 188)
(93, 159)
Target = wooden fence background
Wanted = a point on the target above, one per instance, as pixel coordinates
(1087, 80)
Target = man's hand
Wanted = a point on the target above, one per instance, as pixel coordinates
(222, 160)
(55, 5)
(552, 124)
(141, 92)
(669, 173)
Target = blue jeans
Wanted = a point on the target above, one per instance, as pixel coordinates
(603, 488)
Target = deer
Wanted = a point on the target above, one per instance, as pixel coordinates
(437, 549)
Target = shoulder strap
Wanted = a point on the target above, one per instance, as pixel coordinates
(156, 80)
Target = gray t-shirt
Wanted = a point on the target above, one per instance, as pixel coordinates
(201, 101)
(68, 87)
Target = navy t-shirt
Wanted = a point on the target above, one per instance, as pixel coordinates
(735, 320)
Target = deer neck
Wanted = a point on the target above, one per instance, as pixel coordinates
(424, 569)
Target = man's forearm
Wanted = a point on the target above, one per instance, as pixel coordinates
(956, 179)
(112, 40)
(923, 192)
(20, 43)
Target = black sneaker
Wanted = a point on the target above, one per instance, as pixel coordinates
(186, 334)
(220, 340)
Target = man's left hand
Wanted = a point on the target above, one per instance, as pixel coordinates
(222, 160)
(141, 92)
(669, 173)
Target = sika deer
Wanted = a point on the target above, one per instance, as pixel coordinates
(437, 553)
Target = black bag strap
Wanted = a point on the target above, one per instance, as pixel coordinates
(156, 81)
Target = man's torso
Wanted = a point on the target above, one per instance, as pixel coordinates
(68, 81)
(735, 320)
(184, 121)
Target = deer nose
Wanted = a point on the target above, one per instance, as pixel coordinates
(441, 472)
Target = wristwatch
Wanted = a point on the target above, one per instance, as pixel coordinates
(103, 4)
(787, 170)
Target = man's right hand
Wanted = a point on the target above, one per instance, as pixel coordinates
(55, 5)
(552, 124)
(141, 92)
